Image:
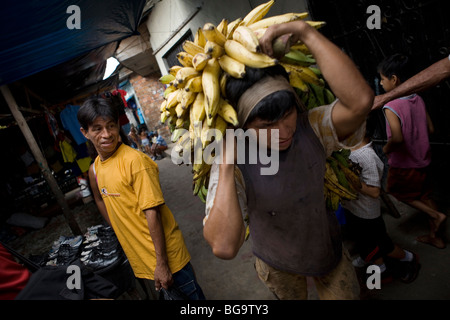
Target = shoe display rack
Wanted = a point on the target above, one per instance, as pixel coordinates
(97, 249)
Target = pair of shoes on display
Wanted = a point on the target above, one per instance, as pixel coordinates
(100, 247)
(64, 250)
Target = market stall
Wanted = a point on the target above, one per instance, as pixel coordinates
(44, 56)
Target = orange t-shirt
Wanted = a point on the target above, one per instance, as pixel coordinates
(129, 184)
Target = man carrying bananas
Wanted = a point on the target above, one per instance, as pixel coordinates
(293, 235)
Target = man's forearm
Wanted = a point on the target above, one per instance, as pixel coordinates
(422, 81)
(340, 72)
(156, 230)
(224, 229)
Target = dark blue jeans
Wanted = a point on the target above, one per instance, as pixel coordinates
(186, 282)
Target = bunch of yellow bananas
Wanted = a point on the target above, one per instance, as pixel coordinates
(341, 179)
(195, 94)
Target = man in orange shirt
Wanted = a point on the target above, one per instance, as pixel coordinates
(128, 181)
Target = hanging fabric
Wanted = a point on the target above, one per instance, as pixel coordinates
(70, 122)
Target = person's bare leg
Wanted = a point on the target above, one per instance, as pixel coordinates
(436, 219)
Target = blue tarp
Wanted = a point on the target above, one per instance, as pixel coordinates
(34, 33)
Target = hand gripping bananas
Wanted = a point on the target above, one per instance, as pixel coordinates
(195, 96)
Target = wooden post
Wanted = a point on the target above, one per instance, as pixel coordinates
(40, 159)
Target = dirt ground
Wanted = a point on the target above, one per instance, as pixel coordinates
(236, 279)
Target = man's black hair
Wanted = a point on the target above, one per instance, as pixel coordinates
(96, 107)
(271, 108)
(398, 65)
(105, 107)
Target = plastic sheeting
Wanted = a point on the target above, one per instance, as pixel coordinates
(34, 34)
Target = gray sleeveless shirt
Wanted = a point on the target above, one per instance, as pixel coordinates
(291, 228)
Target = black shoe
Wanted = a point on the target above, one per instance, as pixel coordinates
(66, 254)
(411, 270)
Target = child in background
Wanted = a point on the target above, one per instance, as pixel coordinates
(158, 147)
(408, 149)
(365, 223)
(134, 138)
(145, 142)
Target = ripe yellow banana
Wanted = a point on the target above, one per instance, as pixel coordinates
(211, 89)
(177, 134)
(255, 60)
(180, 110)
(228, 113)
(296, 81)
(213, 49)
(301, 47)
(199, 61)
(257, 13)
(168, 90)
(194, 84)
(197, 110)
(306, 74)
(185, 59)
(164, 116)
(172, 99)
(200, 171)
(162, 107)
(199, 38)
(232, 26)
(282, 18)
(186, 73)
(174, 69)
(192, 48)
(223, 83)
(245, 36)
(205, 134)
(316, 24)
(223, 27)
(212, 34)
(187, 97)
(221, 125)
(181, 123)
(231, 66)
(259, 32)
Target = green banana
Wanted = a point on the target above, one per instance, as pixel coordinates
(339, 174)
(340, 158)
(329, 96)
(299, 58)
(318, 92)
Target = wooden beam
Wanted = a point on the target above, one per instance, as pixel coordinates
(31, 110)
(40, 159)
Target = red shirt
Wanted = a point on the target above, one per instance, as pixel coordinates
(13, 276)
